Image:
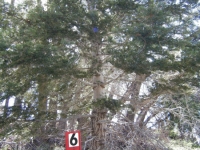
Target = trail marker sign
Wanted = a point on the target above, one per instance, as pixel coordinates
(73, 140)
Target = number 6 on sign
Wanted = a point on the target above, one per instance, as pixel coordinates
(73, 140)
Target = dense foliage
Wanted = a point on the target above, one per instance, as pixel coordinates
(48, 54)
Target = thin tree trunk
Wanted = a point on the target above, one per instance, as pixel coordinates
(81, 122)
(18, 107)
(133, 92)
(42, 97)
(52, 110)
(39, 126)
(5, 112)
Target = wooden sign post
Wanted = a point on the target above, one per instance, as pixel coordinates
(73, 140)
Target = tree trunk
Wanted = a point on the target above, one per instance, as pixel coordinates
(81, 122)
(98, 129)
(5, 111)
(98, 114)
(52, 110)
(42, 97)
(18, 107)
(133, 92)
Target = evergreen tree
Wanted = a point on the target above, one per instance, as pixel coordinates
(49, 54)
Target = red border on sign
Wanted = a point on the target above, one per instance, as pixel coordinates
(67, 140)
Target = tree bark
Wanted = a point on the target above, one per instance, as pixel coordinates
(98, 114)
(133, 92)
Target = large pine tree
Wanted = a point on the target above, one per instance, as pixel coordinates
(54, 57)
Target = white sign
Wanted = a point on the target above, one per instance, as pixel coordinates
(73, 139)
